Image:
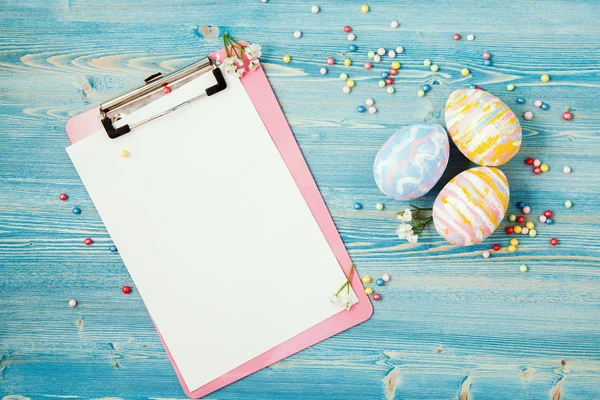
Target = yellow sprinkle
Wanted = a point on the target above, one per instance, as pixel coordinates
(530, 225)
(514, 242)
(523, 268)
(510, 87)
(465, 72)
(366, 279)
(511, 249)
(544, 78)
(532, 233)
(124, 153)
(427, 63)
(364, 8)
(512, 217)
(347, 62)
(350, 83)
(369, 291)
(287, 59)
(395, 65)
(544, 167)
(421, 93)
(434, 68)
(517, 229)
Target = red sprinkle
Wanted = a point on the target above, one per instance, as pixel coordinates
(510, 230)
(347, 29)
(126, 289)
(567, 115)
(88, 241)
(166, 90)
(456, 36)
(389, 81)
(393, 72)
(548, 214)
(496, 246)
(554, 241)
(537, 170)
(63, 196)
(376, 297)
(529, 161)
(520, 219)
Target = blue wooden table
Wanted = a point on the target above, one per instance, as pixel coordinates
(451, 325)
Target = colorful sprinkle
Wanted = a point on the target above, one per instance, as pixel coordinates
(399, 49)
(526, 210)
(465, 72)
(568, 204)
(537, 163)
(528, 115)
(372, 110)
(545, 106)
(357, 206)
(314, 9)
(124, 153)
(347, 62)
(427, 63)
(380, 282)
(347, 29)
(434, 68)
(511, 249)
(323, 71)
(509, 230)
(352, 47)
(538, 103)
(390, 89)
(510, 87)
(485, 254)
(87, 241)
(426, 88)
(496, 246)
(395, 65)
(366, 279)
(523, 268)
(543, 218)
(385, 277)
(514, 242)
(486, 55)
(376, 297)
(287, 59)
(381, 51)
(530, 225)
(517, 229)
(554, 241)
(549, 221)
(72, 303)
(520, 100)
(420, 93)
(343, 76)
(394, 24)
(544, 167)
(351, 37)
(364, 8)
(391, 54)
(297, 34)
(537, 170)
(381, 84)
(532, 233)
(456, 36)
(548, 213)
(369, 102)
(63, 196)
(545, 78)
(113, 248)
(566, 169)
(470, 37)
(529, 161)
(346, 90)
(567, 115)
(350, 83)
(512, 217)
(379, 206)
(361, 109)
(76, 210)
(330, 60)
(369, 291)
(524, 231)
(126, 289)
(368, 65)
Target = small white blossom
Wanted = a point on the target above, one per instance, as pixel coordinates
(412, 238)
(344, 300)
(238, 61)
(253, 51)
(230, 69)
(254, 64)
(404, 230)
(229, 61)
(407, 215)
(240, 72)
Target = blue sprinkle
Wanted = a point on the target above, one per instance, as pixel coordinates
(360, 109)
(426, 88)
(379, 282)
(520, 100)
(487, 62)
(357, 206)
(384, 75)
(76, 210)
(545, 106)
(472, 86)
(549, 221)
(352, 47)
(520, 204)
(113, 248)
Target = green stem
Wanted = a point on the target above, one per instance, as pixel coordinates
(347, 284)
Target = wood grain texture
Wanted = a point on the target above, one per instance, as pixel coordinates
(451, 324)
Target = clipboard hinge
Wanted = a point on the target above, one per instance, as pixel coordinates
(154, 85)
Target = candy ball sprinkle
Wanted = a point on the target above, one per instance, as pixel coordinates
(379, 282)
(367, 65)
(314, 9)
(286, 59)
(537, 163)
(532, 233)
(385, 277)
(366, 279)
(88, 241)
(524, 231)
(390, 89)
(72, 303)
(346, 90)
(512, 217)
(511, 249)
(470, 37)
(567, 116)
(394, 24)
(566, 169)
(76, 210)
(538, 103)
(351, 36)
(544, 167)
(523, 268)
(391, 54)
(542, 218)
(297, 34)
(568, 204)
(323, 71)
(357, 206)
(554, 241)
(376, 58)
(435, 68)
(372, 110)
(427, 63)
(330, 60)
(465, 72)
(369, 291)
(510, 87)
(361, 109)
(113, 249)
(63, 196)
(399, 49)
(486, 55)
(347, 62)
(520, 100)
(544, 78)
(347, 29)
(376, 297)
(485, 254)
(420, 93)
(496, 246)
(528, 115)
(379, 206)
(456, 36)
(126, 289)
(369, 102)
(364, 8)
(526, 210)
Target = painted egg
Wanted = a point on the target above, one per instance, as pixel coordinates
(471, 206)
(483, 128)
(412, 161)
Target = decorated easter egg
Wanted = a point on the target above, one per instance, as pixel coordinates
(483, 128)
(411, 161)
(471, 206)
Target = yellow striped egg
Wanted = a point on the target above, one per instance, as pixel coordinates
(471, 206)
(483, 128)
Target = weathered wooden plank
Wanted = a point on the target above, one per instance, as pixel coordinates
(451, 325)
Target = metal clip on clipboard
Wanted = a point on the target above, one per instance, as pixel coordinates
(112, 111)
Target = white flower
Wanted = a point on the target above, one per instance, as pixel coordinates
(412, 238)
(344, 299)
(254, 64)
(229, 61)
(238, 61)
(253, 51)
(407, 215)
(240, 72)
(230, 69)
(404, 230)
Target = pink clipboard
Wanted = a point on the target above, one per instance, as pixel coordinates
(260, 92)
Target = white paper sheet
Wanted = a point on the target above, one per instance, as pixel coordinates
(212, 228)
